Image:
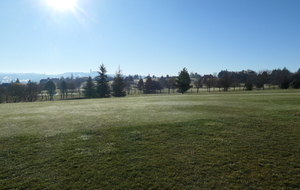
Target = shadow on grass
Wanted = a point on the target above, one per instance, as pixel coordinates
(189, 155)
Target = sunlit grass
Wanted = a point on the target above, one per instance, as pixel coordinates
(233, 140)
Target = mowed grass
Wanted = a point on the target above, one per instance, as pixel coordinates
(233, 140)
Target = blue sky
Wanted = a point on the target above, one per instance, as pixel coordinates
(156, 37)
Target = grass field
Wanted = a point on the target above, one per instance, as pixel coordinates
(233, 140)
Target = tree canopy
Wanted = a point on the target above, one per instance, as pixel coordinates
(103, 90)
(183, 81)
(89, 88)
(118, 85)
(50, 87)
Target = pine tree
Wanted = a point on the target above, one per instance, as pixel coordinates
(118, 85)
(103, 90)
(141, 85)
(89, 89)
(183, 81)
(249, 84)
(148, 85)
(285, 83)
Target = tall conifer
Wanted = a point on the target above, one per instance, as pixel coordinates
(89, 88)
(103, 90)
(183, 81)
(118, 85)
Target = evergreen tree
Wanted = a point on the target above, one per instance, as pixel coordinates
(284, 78)
(296, 80)
(183, 81)
(249, 84)
(50, 87)
(103, 90)
(89, 88)
(141, 85)
(262, 78)
(148, 85)
(296, 83)
(285, 83)
(129, 79)
(118, 85)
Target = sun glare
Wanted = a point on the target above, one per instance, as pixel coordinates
(62, 4)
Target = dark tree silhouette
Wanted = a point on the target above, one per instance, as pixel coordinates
(129, 78)
(141, 85)
(32, 90)
(103, 90)
(50, 87)
(296, 83)
(118, 85)
(296, 80)
(285, 82)
(89, 90)
(148, 85)
(262, 79)
(16, 91)
(156, 85)
(63, 89)
(285, 78)
(183, 81)
(2, 93)
(225, 81)
(249, 84)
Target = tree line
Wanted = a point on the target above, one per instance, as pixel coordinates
(45, 90)
(248, 80)
(103, 86)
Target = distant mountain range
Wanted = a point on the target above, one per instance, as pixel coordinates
(36, 77)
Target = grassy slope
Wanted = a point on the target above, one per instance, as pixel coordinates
(221, 140)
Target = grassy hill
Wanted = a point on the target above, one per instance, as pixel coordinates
(233, 140)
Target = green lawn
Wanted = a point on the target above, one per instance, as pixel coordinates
(233, 140)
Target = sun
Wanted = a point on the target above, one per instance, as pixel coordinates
(62, 4)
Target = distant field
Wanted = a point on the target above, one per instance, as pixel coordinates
(233, 140)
